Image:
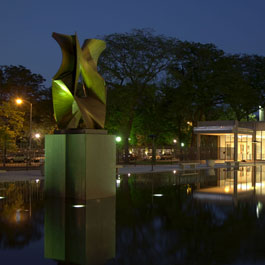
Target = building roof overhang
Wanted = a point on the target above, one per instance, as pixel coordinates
(217, 130)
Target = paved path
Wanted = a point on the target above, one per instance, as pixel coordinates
(20, 175)
(36, 174)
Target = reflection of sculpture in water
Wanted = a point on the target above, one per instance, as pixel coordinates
(75, 99)
(80, 233)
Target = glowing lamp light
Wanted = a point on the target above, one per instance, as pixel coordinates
(118, 139)
(1, 197)
(158, 195)
(129, 174)
(174, 171)
(182, 144)
(79, 206)
(37, 180)
(227, 189)
(19, 101)
(37, 135)
(174, 141)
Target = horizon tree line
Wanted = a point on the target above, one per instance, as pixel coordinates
(157, 85)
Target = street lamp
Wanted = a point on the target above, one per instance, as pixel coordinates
(20, 101)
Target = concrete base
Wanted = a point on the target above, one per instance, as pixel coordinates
(80, 166)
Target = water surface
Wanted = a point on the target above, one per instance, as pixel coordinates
(191, 217)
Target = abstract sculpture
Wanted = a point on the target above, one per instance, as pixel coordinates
(78, 91)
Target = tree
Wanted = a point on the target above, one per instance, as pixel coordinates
(20, 82)
(130, 64)
(11, 124)
(191, 86)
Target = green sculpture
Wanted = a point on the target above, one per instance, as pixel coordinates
(78, 91)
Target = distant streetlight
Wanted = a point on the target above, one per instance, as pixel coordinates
(174, 141)
(118, 139)
(37, 135)
(20, 101)
(182, 144)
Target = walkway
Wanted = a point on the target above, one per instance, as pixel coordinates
(24, 175)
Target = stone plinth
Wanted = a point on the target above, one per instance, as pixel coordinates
(80, 166)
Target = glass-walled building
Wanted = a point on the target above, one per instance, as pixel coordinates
(238, 141)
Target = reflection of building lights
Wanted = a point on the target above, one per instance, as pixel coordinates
(227, 189)
(157, 195)
(79, 206)
(174, 171)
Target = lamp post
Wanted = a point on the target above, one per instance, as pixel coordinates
(20, 101)
(118, 140)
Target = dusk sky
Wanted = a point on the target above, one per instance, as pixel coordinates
(236, 26)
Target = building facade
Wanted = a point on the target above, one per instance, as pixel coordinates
(238, 141)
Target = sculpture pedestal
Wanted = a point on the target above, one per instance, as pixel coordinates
(80, 166)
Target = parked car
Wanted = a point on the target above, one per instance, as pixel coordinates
(17, 158)
(166, 157)
(149, 156)
(37, 159)
(130, 156)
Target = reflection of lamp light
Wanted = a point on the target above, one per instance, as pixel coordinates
(259, 208)
(79, 206)
(157, 195)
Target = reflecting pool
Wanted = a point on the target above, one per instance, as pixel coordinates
(191, 217)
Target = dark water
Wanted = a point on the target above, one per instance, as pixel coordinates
(195, 217)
